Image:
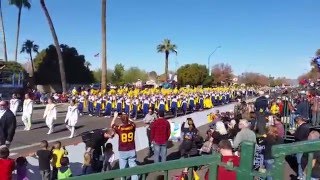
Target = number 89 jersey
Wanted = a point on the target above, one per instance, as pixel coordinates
(126, 136)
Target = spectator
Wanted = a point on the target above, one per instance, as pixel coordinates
(21, 166)
(225, 149)
(58, 153)
(188, 146)
(279, 125)
(261, 103)
(245, 134)
(303, 109)
(44, 157)
(95, 144)
(64, 171)
(148, 119)
(271, 139)
(233, 129)
(160, 134)
(108, 158)
(301, 134)
(127, 148)
(87, 166)
(7, 124)
(191, 131)
(6, 164)
(219, 133)
(315, 172)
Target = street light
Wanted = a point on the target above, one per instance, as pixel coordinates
(210, 57)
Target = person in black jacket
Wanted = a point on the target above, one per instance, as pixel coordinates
(8, 124)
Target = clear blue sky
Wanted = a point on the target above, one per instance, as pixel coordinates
(271, 37)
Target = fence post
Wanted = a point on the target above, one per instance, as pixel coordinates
(246, 161)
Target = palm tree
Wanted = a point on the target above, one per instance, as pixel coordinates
(104, 44)
(29, 47)
(87, 64)
(3, 35)
(167, 48)
(57, 45)
(19, 4)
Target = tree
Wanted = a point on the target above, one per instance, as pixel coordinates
(253, 79)
(97, 75)
(87, 64)
(318, 52)
(19, 4)
(104, 44)
(29, 47)
(153, 75)
(3, 35)
(117, 75)
(133, 74)
(47, 66)
(57, 46)
(192, 74)
(222, 73)
(166, 47)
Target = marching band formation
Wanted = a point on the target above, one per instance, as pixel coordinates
(136, 103)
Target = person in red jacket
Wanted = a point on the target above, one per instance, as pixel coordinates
(160, 133)
(227, 156)
(7, 165)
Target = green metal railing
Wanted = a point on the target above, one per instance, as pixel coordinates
(244, 171)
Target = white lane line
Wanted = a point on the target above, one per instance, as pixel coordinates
(37, 144)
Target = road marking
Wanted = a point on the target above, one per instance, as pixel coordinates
(37, 144)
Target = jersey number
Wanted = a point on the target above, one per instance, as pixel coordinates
(127, 137)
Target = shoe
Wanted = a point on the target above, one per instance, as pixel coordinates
(70, 137)
(90, 114)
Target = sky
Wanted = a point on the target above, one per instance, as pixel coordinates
(271, 37)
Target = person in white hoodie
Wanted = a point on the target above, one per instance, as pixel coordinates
(72, 117)
(50, 114)
(27, 112)
(14, 104)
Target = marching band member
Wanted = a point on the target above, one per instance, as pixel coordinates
(50, 114)
(27, 112)
(174, 106)
(90, 104)
(127, 106)
(14, 104)
(108, 110)
(119, 105)
(81, 105)
(145, 106)
(135, 108)
(98, 106)
(72, 117)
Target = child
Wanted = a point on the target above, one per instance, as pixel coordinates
(64, 171)
(44, 156)
(86, 167)
(57, 154)
(108, 160)
(6, 164)
(22, 168)
(72, 117)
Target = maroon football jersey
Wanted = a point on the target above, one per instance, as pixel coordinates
(126, 136)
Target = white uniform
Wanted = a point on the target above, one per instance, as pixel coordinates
(27, 113)
(50, 114)
(72, 119)
(14, 104)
